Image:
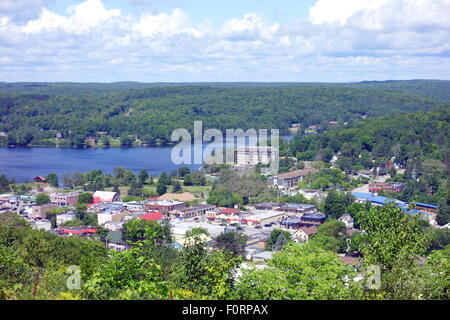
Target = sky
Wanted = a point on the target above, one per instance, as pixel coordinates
(224, 41)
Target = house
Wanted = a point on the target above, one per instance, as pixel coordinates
(114, 225)
(189, 241)
(40, 179)
(64, 199)
(78, 231)
(348, 220)
(304, 233)
(41, 211)
(290, 179)
(386, 186)
(42, 225)
(62, 218)
(134, 206)
(262, 257)
(311, 193)
(114, 240)
(106, 196)
(251, 156)
(365, 173)
(108, 216)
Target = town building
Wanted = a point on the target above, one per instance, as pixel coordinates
(267, 206)
(348, 220)
(64, 199)
(289, 179)
(193, 211)
(259, 218)
(297, 208)
(133, 206)
(423, 209)
(106, 196)
(251, 156)
(303, 234)
(108, 216)
(42, 225)
(40, 179)
(41, 210)
(368, 174)
(311, 193)
(62, 218)
(115, 241)
(164, 205)
(386, 186)
(76, 231)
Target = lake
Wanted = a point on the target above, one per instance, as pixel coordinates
(22, 163)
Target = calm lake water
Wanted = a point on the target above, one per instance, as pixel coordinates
(23, 163)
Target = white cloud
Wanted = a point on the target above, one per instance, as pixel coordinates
(250, 26)
(343, 40)
(165, 24)
(84, 17)
(382, 14)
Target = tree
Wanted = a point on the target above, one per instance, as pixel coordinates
(275, 237)
(392, 240)
(136, 189)
(42, 198)
(4, 184)
(85, 198)
(80, 210)
(224, 198)
(143, 176)
(188, 180)
(125, 141)
(161, 188)
(195, 232)
(142, 230)
(233, 241)
(177, 187)
(336, 203)
(52, 178)
(298, 273)
(183, 171)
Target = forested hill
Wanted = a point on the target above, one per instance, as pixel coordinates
(438, 89)
(419, 142)
(32, 113)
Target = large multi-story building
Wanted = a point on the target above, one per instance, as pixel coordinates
(64, 199)
(251, 156)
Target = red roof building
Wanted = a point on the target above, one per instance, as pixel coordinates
(40, 179)
(229, 211)
(154, 216)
